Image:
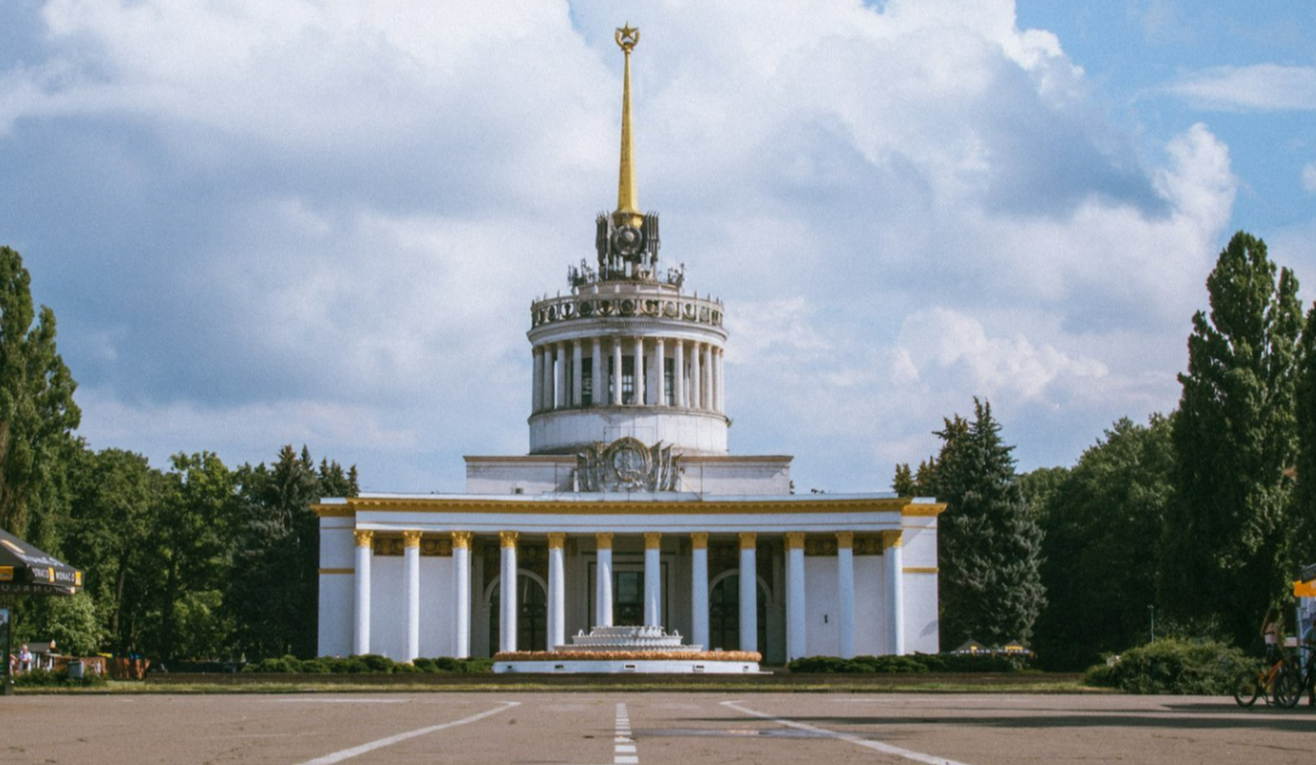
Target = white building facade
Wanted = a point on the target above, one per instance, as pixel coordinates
(628, 508)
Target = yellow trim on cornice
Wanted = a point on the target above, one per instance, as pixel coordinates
(653, 540)
(699, 540)
(924, 509)
(920, 570)
(364, 537)
(333, 511)
(461, 540)
(337, 571)
(622, 507)
(748, 540)
(795, 540)
(507, 539)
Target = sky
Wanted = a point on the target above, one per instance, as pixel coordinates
(263, 222)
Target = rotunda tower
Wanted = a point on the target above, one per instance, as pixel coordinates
(628, 352)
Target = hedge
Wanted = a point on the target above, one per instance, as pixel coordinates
(943, 662)
(1173, 666)
(369, 664)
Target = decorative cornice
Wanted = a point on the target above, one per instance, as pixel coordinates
(363, 537)
(653, 540)
(556, 540)
(748, 540)
(333, 511)
(513, 506)
(920, 570)
(507, 539)
(699, 540)
(795, 540)
(924, 509)
(411, 539)
(328, 571)
(845, 540)
(461, 540)
(604, 540)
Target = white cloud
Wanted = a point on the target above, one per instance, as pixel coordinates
(1259, 87)
(1309, 178)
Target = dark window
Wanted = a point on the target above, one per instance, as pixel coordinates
(669, 392)
(628, 379)
(586, 382)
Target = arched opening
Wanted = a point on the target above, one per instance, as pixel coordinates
(531, 614)
(724, 614)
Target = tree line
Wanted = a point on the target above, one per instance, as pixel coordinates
(195, 561)
(1192, 524)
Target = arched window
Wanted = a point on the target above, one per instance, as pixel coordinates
(724, 614)
(531, 614)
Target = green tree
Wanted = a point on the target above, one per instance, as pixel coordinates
(37, 411)
(1101, 522)
(990, 545)
(1234, 435)
(273, 590)
(909, 483)
(1303, 545)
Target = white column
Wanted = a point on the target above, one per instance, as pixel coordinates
(364, 554)
(895, 595)
(461, 585)
(749, 591)
(707, 395)
(577, 376)
(845, 590)
(547, 388)
(796, 638)
(507, 592)
(699, 589)
(603, 581)
(721, 381)
(659, 372)
(678, 377)
(563, 382)
(695, 400)
(616, 371)
(639, 372)
(557, 602)
(537, 389)
(411, 563)
(714, 380)
(653, 579)
(598, 373)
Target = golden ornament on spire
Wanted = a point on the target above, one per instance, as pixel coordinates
(628, 198)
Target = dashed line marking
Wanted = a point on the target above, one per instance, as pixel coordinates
(356, 751)
(623, 747)
(851, 737)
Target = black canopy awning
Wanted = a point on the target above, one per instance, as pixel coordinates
(25, 570)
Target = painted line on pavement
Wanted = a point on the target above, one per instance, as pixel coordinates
(356, 751)
(623, 746)
(851, 737)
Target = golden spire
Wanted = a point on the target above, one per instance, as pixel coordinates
(628, 198)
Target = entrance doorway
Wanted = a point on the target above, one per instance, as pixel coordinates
(531, 615)
(724, 615)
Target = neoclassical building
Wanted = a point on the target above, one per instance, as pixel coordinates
(628, 508)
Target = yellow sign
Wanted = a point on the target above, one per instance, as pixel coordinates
(6, 573)
(1304, 589)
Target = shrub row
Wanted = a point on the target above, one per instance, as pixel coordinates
(369, 664)
(942, 662)
(44, 679)
(1172, 666)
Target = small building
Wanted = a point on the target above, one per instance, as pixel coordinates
(628, 508)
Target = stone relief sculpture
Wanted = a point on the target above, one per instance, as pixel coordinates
(627, 464)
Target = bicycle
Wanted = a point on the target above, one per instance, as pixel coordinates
(1280, 684)
(1306, 681)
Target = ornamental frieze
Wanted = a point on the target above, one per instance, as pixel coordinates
(696, 310)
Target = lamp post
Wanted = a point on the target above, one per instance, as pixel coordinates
(1151, 611)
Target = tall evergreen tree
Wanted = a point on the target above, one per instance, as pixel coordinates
(1234, 436)
(1303, 544)
(37, 411)
(990, 545)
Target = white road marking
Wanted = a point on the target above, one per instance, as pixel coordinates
(852, 738)
(311, 700)
(623, 749)
(356, 751)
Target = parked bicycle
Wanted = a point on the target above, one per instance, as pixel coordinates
(1306, 680)
(1280, 684)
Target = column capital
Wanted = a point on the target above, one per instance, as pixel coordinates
(845, 540)
(461, 540)
(364, 537)
(604, 539)
(891, 539)
(411, 538)
(748, 540)
(699, 540)
(557, 540)
(795, 540)
(653, 540)
(507, 539)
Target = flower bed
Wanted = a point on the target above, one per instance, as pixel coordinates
(629, 656)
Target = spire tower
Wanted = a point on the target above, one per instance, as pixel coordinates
(628, 197)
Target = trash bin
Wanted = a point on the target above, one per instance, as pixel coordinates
(76, 669)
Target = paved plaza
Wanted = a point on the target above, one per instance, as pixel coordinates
(648, 728)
